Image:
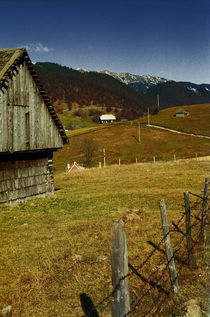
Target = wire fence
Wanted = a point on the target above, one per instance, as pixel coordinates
(151, 288)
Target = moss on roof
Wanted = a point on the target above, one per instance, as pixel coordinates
(8, 57)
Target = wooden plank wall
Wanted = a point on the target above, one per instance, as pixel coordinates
(24, 179)
(3, 123)
(22, 103)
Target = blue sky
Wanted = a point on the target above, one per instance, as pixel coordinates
(166, 38)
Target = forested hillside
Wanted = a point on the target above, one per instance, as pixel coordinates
(76, 89)
(173, 94)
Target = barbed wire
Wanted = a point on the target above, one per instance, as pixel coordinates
(156, 282)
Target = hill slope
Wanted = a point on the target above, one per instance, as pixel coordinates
(193, 93)
(79, 89)
(196, 122)
(173, 94)
(130, 94)
(121, 142)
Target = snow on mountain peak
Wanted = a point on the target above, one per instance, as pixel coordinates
(127, 78)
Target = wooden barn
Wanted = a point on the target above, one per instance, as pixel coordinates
(30, 130)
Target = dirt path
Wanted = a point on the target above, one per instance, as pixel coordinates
(179, 132)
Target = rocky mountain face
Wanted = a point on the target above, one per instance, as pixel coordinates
(142, 83)
(135, 81)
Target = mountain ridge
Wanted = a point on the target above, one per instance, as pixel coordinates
(131, 94)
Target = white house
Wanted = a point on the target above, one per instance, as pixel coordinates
(106, 118)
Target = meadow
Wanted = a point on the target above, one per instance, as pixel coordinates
(56, 248)
(121, 142)
(196, 122)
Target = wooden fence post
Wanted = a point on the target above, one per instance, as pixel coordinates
(6, 312)
(104, 151)
(169, 251)
(188, 230)
(119, 264)
(204, 206)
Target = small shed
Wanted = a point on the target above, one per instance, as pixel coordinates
(30, 130)
(107, 118)
(181, 113)
(75, 166)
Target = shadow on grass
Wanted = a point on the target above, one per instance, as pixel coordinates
(57, 188)
(88, 306)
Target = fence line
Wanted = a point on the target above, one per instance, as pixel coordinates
(152, 288)
(155, 290)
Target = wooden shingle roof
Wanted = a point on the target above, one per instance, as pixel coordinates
(10, 60)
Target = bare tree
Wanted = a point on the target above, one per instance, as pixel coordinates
(89, 148)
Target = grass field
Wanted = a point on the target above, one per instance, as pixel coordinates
(121, 142)
(68, 118)
(196, 122)
(56, 248)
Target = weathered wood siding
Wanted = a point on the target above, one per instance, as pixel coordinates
(25, 122)
(24, 179)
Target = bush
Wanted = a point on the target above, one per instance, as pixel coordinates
(94, 112)
(109, 109)
(78, 113)
(89, 148)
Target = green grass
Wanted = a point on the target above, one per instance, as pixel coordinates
(69, 118)
(56, 248)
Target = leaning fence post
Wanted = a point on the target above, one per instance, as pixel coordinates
(204, 206)
(169, 251)
(119, 264)
(188, 230)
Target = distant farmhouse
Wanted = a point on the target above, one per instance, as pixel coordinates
(181, 113)
(107, 118)
(30, 131)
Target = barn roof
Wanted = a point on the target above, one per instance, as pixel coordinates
(10, 60)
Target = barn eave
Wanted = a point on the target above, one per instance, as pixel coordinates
(13, 59)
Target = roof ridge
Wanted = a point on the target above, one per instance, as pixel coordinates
(19, 55)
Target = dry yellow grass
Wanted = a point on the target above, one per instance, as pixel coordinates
(196, 122)
(121, 141)
(56, 248)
